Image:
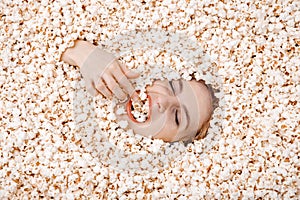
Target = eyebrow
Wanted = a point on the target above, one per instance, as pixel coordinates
(184, 107)
(187, 117)
(180, 86)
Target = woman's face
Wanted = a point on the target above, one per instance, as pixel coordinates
(177, 110)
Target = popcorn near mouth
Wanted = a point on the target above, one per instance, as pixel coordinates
(140, 110)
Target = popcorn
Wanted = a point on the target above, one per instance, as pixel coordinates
(140, 110)
(123, 124)
(74, 150)
(111, 116)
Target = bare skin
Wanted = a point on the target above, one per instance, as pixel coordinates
(178, 109)
(102, 73)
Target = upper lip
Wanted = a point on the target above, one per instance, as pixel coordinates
(128, 110)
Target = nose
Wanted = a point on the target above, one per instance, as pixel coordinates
(165, 103)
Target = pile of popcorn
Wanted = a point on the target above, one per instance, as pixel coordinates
(140, 108)
(58, 142)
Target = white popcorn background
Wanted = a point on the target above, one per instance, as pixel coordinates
(58, 142)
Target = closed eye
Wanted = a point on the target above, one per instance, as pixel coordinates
(176, 112)
(176, 118)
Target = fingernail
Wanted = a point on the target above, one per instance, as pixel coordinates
(135, 96)
(124, 100)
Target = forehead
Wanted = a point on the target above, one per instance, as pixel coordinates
(196, 97)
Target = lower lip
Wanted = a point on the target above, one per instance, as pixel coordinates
(128, 109)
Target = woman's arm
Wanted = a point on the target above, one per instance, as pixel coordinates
(102, 72)
(77, 54)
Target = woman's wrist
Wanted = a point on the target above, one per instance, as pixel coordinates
(77, 54)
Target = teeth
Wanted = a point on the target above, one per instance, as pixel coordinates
(140, 109)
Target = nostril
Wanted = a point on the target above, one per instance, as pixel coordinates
(160, 107)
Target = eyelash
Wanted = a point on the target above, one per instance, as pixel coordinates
(176, 117)
(176, 112)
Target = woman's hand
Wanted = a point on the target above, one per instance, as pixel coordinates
(102, 73)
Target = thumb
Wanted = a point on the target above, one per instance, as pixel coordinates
(129, 73)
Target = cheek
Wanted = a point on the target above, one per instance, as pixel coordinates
(151, 128)
(168, 132)
(166, 135)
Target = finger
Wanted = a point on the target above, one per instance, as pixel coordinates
(122, 79)
(102, 88)
(129, 73)
(114, 87)
(91, 89)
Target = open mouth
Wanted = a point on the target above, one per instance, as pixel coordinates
(139, 112)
